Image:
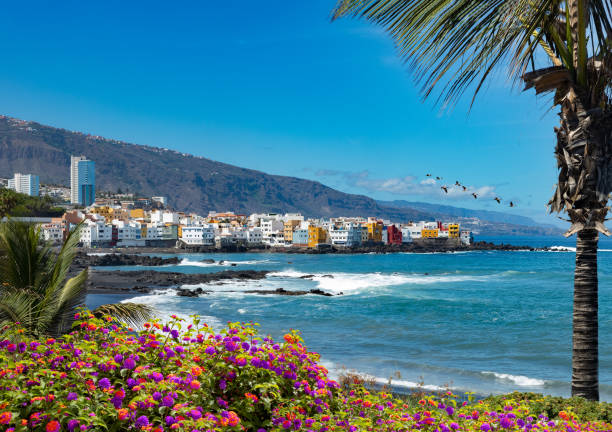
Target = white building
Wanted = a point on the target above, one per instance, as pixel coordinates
(198, 235)
(276, 239)
(347, 235)
(254, 236)
(96, 232)
(406, 235)
(158, 216)
(52, 232)
(466, 237)
(128, 233)
(271, 226)
(25, 184)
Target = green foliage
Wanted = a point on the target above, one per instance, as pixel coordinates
(21, 205)
(187, 376)
(551, 406)
(36, 289)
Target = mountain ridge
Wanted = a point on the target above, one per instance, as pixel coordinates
(191, 183)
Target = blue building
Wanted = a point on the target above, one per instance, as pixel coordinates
(82, 181)
(300, 237)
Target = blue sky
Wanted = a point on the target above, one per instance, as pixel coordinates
(273, 86)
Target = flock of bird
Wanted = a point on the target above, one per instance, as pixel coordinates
(465, 189)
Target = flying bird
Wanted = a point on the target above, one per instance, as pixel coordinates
(428, 175)
(511, 204)
(498, 200)
(475, 195)
(457, 183)
(464, 188)
(438, 178)
(444, 188)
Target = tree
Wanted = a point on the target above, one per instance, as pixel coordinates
(560, 47)
(35, 288)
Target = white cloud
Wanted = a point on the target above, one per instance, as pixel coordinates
(409, 185)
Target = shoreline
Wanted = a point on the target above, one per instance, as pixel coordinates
(419, 247)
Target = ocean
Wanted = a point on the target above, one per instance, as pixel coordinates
(488, 322)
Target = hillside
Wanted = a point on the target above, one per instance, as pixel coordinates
(191, 183)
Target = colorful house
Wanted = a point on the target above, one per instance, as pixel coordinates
(429, 233)
(394, 235)
(316, 236)
(375, 230)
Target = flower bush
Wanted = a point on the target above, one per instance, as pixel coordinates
(180, 376)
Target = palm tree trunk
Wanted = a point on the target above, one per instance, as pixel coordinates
(585, 381)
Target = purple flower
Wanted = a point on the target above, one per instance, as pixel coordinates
(170, 420)
(222, 384)
(21, 347)
(450, 410)
(142, 421)
(71, 396)
(485, 427)
(168, 401)
(118, 358)
(210, 350)
(156, 396)
(104, 383)
(195, 414)
(72, 424)
(174, 333)
(129, 363)
(157, 377)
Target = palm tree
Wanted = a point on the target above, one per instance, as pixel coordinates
(35, 288)
(560, 47)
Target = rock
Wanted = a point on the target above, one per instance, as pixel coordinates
(320, 292)
(208, 261)
(328, 276)
(308, 276)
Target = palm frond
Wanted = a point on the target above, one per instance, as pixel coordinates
(71, 296)
(455, 44)
(16, 306)
(133, 314)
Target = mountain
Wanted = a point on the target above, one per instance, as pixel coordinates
(191, 183)
(484, 222)
(450, 211)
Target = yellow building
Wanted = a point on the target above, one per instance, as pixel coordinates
(429, 233)
(453, 230)
(375, 230)
(105, 211)
(137, 213)
(290, 226)
(316, 236)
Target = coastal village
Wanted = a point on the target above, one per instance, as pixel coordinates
(123, 220)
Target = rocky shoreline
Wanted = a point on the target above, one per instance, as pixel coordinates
(415, 247)
(149, 281)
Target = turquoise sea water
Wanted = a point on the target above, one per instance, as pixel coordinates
(488, 322)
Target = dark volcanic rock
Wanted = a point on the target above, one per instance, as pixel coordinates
(100, 280)
(284, 292)
(82, 260)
